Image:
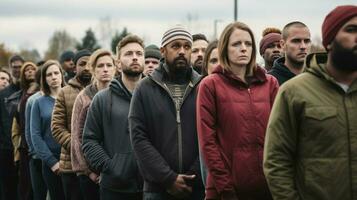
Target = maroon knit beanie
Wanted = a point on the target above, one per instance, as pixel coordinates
(335, 20)
(268, 39)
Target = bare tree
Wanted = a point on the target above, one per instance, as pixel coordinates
(59, 42)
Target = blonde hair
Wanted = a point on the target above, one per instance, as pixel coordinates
(223, 47)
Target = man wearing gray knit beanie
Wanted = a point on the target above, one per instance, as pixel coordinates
(162, 123)
(152, 59)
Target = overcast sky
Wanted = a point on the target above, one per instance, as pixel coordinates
(30, 24)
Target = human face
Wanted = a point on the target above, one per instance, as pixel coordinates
(15, 68)
(150, 65)
(343, 49)
(30, 72)
(198, 52)
(177, 54)
(104, 69)
(53, 77)
(297, 44)
(272, 52)
(68, 65)
(4, 80)
(240, 47)
(82, 64)
(213, 61)
(132, 59)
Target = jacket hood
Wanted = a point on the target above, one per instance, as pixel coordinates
(160, 72)
(91, 90)
(117, 87)
(316, 65)
(279, 66)
(75, 83)
(259, 75)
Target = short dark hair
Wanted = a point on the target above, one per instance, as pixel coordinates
(44, 86)
(199, 36)
(129, 39)
(15, 58)
(8, 73)
(285, 32)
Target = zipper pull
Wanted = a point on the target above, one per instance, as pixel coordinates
(249, 90)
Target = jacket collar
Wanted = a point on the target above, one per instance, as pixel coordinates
(159, 73)
(316, 65)
(259, 76)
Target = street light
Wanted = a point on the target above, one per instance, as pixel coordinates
(235, 10)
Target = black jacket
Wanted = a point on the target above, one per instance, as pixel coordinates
(106, 140)
(6, 118)
(280, 71)
(164, 137)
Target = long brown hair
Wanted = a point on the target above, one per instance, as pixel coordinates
(223, 47)
(44, 86)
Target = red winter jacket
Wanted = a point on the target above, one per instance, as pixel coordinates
(232, 117)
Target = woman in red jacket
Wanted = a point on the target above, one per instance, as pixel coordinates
(234, 104)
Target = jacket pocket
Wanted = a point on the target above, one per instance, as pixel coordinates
(320, 124)
(121, 171)
(320, 113)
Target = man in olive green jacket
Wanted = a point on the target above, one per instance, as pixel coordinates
(311, 142)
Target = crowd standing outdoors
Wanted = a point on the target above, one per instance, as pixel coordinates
(189, 119)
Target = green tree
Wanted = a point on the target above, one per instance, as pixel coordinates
(59, 42)
(5, 55)
(117, 38)
(89, 41)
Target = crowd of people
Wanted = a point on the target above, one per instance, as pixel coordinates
(192, 119)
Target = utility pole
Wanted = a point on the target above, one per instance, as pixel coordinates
(235, 10)
(216, 21)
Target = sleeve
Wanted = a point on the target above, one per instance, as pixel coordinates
(92, 148)
(40, 146)
(59, 128)
(78, 119)
(16, 139)
(27, 122)
(153, 166)
(206, 126)
(280, 148)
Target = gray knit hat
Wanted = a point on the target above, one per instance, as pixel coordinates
(176, 33)
(152, 51)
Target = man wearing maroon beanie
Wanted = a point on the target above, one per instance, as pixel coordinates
(269, 46)
(311, 140)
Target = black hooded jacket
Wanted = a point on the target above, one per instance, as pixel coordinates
(164, 137)
(106, 141)
(280, 71)
(6, 115)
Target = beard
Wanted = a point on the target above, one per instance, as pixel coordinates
(128, 71)
(179, 64)
(344, 59)
(85, 77)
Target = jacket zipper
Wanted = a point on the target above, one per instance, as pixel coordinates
(178, 120)
(349, 142)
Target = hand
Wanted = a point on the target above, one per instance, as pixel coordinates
(179, 188)
(94, 177)
(55, 168)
